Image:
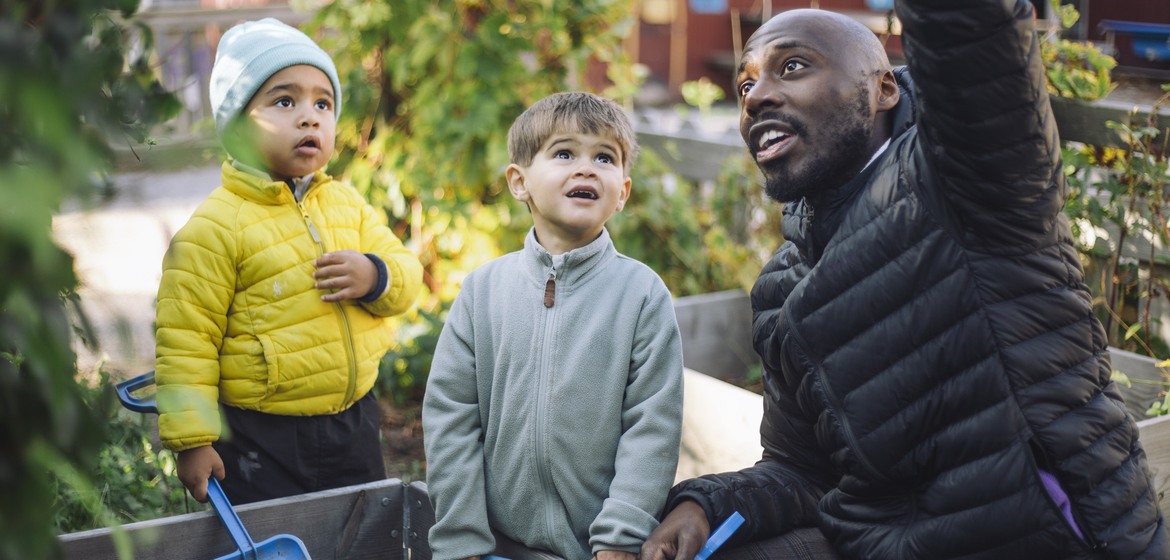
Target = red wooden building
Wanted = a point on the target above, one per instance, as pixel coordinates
(682, 40)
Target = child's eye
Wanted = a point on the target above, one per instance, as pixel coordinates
(563, 154)
(605, 158)
(324, 105)
(284, 102)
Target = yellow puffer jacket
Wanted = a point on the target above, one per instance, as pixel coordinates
(239, 321)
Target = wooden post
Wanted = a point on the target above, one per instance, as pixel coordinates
(678, 47)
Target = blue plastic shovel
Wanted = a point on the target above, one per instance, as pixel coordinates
(279, 547)
(720, 536)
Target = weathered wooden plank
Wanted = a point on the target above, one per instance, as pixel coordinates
(1082, 121)
(362, 522)
(692, 154)
(1155, 438)
(421, 517)
(716, 330)
(1141, 371)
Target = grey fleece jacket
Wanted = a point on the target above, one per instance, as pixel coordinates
(556, 425)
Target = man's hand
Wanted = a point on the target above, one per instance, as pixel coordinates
(680, 536)
(614, 555)
(349, 274)
(195, 466)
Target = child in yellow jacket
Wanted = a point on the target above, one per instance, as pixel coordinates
(273, 299)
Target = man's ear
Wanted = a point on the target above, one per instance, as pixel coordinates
(888, 92)
(514, 174)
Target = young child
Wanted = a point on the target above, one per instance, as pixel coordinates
(274, 294)
(553, 411)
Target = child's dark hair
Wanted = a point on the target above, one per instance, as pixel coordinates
(573, 111)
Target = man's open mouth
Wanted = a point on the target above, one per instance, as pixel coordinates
(770, 138)
(771, 141)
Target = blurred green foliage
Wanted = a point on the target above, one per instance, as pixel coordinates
(1119, 203)
(1075, 69)
(432, 87)
(131, 480)
(68, 90)
(1117, 195)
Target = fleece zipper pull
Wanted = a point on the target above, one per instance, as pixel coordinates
(550, 290)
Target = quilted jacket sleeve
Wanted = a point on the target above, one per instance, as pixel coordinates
(198, 281)
(988, 133)
(403, 270)
(782, 490)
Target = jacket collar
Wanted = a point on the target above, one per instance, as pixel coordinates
(255, 185)
(570, 267)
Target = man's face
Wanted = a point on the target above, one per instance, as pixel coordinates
(806, 111)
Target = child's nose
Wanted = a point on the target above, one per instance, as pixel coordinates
(308, 119)
(586, 168)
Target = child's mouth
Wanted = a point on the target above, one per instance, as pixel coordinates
(308, 147)
(581, 193)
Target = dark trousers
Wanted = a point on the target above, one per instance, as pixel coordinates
(270, 456)
(798, 544)
(806, 543)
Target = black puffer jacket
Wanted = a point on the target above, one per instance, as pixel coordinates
(927, 338)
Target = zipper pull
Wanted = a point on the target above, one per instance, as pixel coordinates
(312, 230)
(550, 290)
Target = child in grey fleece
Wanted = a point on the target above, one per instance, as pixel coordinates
(553, 410)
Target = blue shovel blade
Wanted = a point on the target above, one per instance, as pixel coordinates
(280, 547)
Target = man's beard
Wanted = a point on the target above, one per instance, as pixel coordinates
(843, 157)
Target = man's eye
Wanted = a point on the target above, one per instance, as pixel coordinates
(745, 87)
(791, 66)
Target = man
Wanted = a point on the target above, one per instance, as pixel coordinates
(936, 385)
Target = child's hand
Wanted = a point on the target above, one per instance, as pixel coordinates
(615, 555)
(195, 466)
(349, 274)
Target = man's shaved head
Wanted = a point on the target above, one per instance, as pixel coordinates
(850, 35)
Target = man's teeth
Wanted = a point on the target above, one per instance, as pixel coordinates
(771, 137)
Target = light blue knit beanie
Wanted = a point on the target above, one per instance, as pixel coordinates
(249, 54)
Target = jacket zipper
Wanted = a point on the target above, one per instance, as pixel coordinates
(350, 353)
(550, 290)
(538, 416)
(834, 404)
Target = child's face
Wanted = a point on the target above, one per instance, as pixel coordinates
(574, 184)
(292, 125)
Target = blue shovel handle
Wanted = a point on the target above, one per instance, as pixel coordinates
(720, 536)
(231, 521)
(131, 402)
